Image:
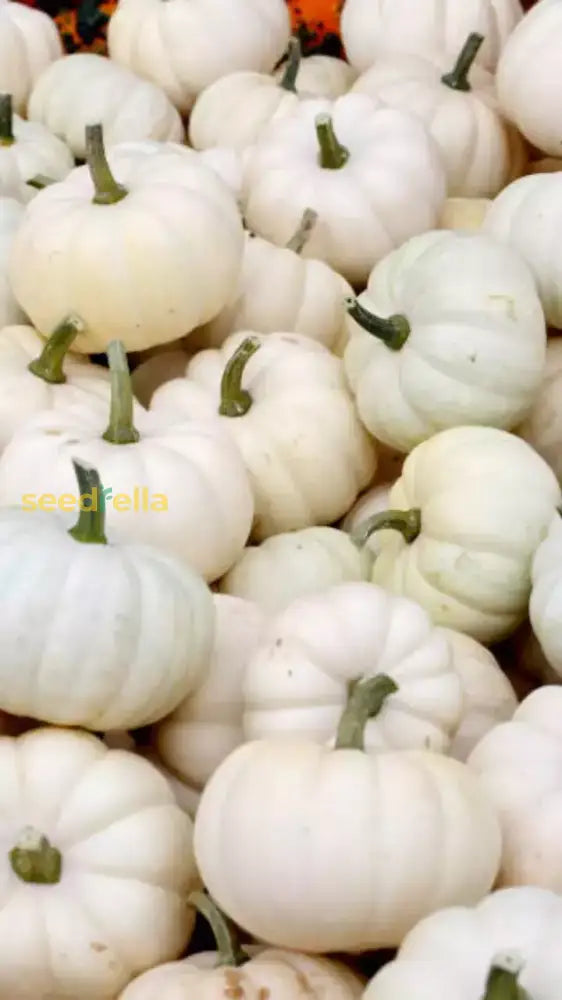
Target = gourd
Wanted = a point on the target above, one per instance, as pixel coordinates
(113, 257)
(83, 88)
(464, 213)
(528, 77)
(207, 725)
(166, 479)
(93, 658)
(38, 374)
(237, 108)
(284, 402)
(464, 521)
(296, 683)
(296, 563)
(341, 838)
(543, 425)
(11, 213)
(82, 911)
(281, 289)
(503, 947)
(28, 149)
(247, 971)
(184, 46)
(320, 75)
(530, 744)
(370, 28)
(546, 594)
(372, 174)
(29, 42)
(456, 101)
(427, 351)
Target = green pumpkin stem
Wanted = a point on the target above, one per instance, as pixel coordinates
(301, 236)
(457, 79)
(40, 181)
(407, 522)
(49, 364)
(365, 700)
(121, 429)
(107, 190)
(503, 984)
(34, 860)
(234, 400)
(288, 80)
(90, 526)
(332, 155)
(7, 137)
(393, 331)
(229, 951)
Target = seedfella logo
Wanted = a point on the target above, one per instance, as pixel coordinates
(140, 501)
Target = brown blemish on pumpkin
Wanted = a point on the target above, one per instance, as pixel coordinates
(234, 988)
(98, 946)
(303, 983)
(264, 993)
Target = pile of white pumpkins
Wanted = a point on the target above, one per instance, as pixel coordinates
(293, 661)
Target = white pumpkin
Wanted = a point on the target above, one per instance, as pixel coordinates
(105, 248)
(283, 399)
(186, 797)
(506, 946)
(545, 608)
(519, 764)
(464, 213)
(449, 331)
(178, 485)
(468, 512)
(144, 615)
(290, 565)
(185, 45)
(374, 501)
(29, 42)
(529, 77)
(527, 216)
(543, 426)
(204, 728)
(355, 848)
(372, 27)
(246, 972)
(11, 214)
(38, 375)
(457, 103)
(372, 174)
(228, 163)
(28, 149)
(84, 88)
(488, 696)
(296, 683)
(281, 289)
(98, 866)
(321, 75)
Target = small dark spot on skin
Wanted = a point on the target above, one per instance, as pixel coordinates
(472, 357)
(264, 993)
(234, 988)
(278, 643)
(303, 983)
(98, 946)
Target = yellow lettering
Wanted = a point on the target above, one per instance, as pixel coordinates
(92, 497)
(67, 502)
(122, 502)
(145, 498)
(29, 502)
(47, 501)
(159, 502)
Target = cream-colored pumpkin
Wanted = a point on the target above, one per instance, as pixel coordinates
(372, 174)
(121, 265)
(97, 867)
(543, 426)
(457, 103)
(321, 75)
(355, 848)
(288, 566)
(29, 42)
(464, 213)
(449, 331)
(545, 608)
(186, 797)
(228, 163)
(28, 150)
(185, 45)
(84, 88)
(284, 401)
(203, 730)
(11, 214)
(281, 289)
(178, 485)
(477, 502)
(372, 27)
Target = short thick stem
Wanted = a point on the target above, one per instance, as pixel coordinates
(457, 79)
(393, 331)
(121, 429)
(229, 951)
(49, 364)
(300, 238)
(34, 860)
(288, 80)
(407, 522)
(40, 181)
(90, 526)
(236, 401)
(332, 155)
(503, 984)
(365, 700)
(107, 190)
(7, 137)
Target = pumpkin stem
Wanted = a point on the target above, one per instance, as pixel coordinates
(236, 401)
(40, 181)
(107, 190)
(407, 522)
(301, 236)
(332, 155)
(503, 983)
(7, 137)
(289, 79)
(90, 526)
(365, 700)
(230, 953)
(49, 364)
(121, 429)
(35, 860)
(457, 79)
(393, 331)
